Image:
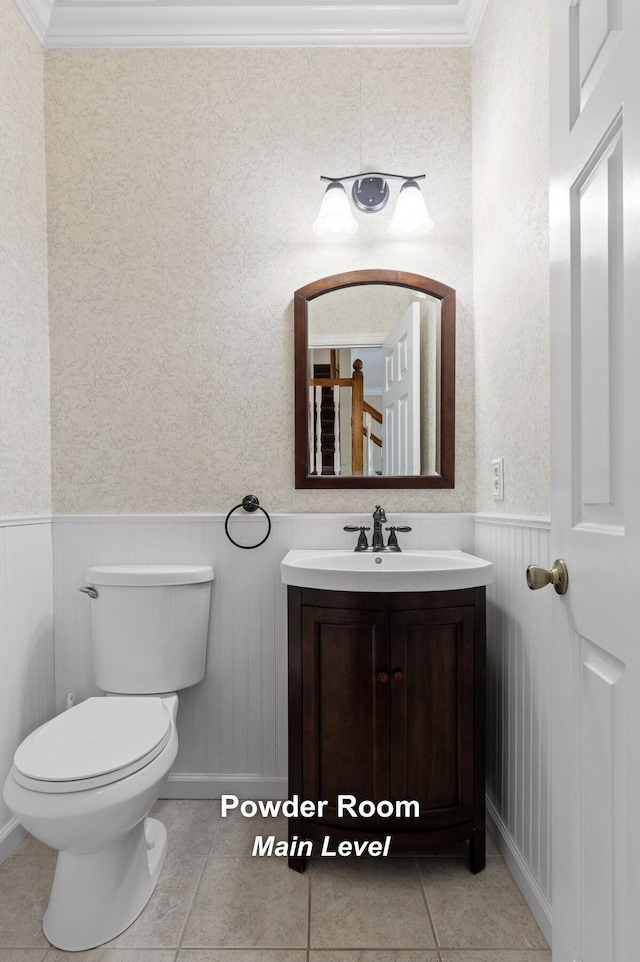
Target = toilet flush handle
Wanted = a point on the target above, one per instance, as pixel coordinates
(89, 590)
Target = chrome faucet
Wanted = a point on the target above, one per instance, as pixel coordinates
(377, 544)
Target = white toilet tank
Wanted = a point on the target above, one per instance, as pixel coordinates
(149, 626)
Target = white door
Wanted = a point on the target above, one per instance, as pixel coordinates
(401, 396)
(595, 238)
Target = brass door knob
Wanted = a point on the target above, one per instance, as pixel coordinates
(558, 577)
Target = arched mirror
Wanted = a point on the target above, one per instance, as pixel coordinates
(375, 381)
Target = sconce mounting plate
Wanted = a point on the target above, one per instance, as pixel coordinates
(370, 194)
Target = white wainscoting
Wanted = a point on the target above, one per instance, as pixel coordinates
(519, 705)
(232, 726)
(26, 639)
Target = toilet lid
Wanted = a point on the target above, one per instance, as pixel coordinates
(97, 737)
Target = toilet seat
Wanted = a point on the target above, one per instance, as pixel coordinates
(99, 741)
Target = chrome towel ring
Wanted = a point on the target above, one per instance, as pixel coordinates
(250, 503)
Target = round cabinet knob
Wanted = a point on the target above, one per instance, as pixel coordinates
(558, 576)
(398, 676)
(383, 676)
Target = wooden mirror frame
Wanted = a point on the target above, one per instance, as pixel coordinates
(447, 297)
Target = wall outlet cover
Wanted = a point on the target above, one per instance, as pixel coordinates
(497, 473)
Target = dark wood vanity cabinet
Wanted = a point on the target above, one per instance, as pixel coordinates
(387, 702)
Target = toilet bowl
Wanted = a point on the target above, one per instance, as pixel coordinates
(83, 784)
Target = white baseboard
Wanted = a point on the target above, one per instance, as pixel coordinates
(533, 894)
(10, 837)
(201, 785)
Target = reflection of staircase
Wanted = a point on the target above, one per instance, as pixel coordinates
(327, 438)
(324, 430)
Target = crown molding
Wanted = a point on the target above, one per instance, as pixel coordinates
(37, 13)
(157, 23)
(472, 13)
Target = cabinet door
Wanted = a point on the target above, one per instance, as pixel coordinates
(432, 713)
(345, 706)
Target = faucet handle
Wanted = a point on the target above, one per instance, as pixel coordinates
(362, 544)
(392, 543)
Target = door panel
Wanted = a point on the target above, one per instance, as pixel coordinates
(595, 28)
(432, 708)
(599, 723)
(598, 377)
(401, 396)
(345, 706)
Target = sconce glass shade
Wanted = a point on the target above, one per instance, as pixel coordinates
(335, 220)
(410, 218)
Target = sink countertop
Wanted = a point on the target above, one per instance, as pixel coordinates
(411, 570)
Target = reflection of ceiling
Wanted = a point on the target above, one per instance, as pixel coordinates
(372, 367)
(251, 23)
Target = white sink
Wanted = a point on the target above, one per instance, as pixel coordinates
(444, 570)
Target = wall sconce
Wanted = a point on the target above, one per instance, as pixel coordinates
(370, 193)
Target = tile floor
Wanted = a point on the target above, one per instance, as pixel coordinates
(214, 903)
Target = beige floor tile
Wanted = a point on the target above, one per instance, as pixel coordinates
(162, 921)
(500, 955)
(236, 834)
(368, 904)
(249, 902)
(113, 955)
(478, 911)
(242, 955)
(25, 884)
(367, 955)
(31, 846)
(191, 825)
(22, 955)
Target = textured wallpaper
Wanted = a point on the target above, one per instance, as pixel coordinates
(510, 72)
(25, 482)
(182, 189)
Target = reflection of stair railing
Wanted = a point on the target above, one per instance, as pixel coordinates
(362, 415)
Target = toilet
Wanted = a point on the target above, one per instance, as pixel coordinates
(84, 782)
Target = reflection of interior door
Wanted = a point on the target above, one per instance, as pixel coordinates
(595, 97)
(401, 395)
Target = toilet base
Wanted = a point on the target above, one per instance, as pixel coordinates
(97, 896)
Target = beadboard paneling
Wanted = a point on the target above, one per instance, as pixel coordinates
(26, 639)
(519, 705)
(233, 725)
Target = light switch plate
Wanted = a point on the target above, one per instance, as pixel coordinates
(497, 468)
